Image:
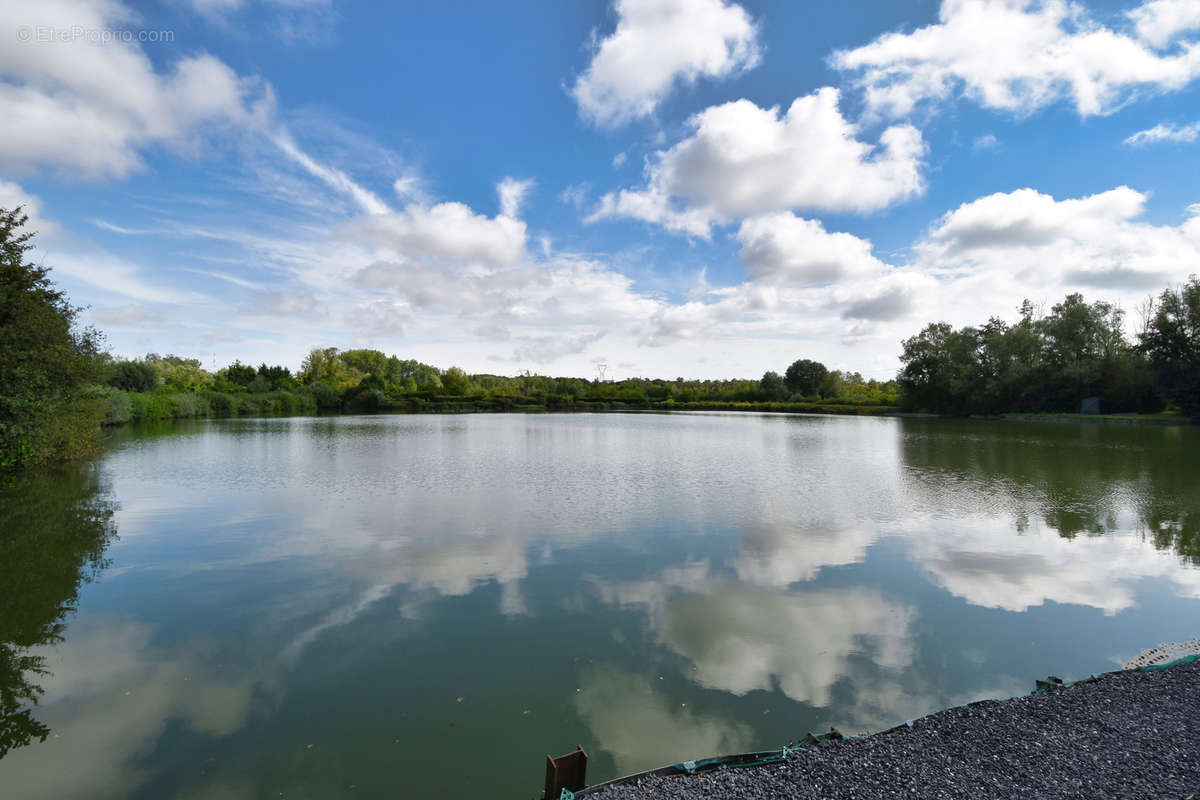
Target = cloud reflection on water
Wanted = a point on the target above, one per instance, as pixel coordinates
(743, 638)
(110, 694)
(642, 727)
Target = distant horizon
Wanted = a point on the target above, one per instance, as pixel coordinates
(698, 188)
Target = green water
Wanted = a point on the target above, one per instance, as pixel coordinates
(424, 606)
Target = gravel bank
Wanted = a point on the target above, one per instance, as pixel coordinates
(1131, 735)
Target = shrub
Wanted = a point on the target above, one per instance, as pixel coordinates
(185, 405)
(324, 395)
(219, 404)
(117, 408)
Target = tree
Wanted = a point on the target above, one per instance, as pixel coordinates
(326, 365)
(1082, 343)
(1172, 341)
(456, 381)
(805, 376)
(180, 374)
(46, 362)
(132, 376)
(277, 377)
(238, 374)
(773, 387)
(939, 370)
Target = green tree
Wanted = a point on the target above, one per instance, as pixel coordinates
(940, 369)
(326, 365)
(132, 376)
(773, 387)
(1082, 342)
(46, 361)
(1172, 342)
(804, 377)
(456, 381)
(277, 377)
(180, 374)
(238, 374)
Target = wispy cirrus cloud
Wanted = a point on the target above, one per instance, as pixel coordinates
(1165, 132)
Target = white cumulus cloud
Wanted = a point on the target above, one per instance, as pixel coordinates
(1021, 55)
(785, 249)
(744, 160)
(658, 44)
(1094, 241)
(447, 233)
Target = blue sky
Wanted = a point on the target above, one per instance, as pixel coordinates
(669, 187)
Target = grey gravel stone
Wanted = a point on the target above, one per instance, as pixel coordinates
(1130, 735)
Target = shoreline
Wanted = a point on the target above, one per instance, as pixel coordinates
(815, 409)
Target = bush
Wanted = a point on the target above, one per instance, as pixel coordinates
(185, 405)
(324, 395)
(149, 407)
(219, 404)
(117, 408)
(286, 402)
(247, 406)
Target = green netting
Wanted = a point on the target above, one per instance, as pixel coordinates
(1052, 682)
(738, 760)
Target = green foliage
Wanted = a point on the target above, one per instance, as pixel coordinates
(118, 409)
(46, 362)
(455, 381)
(329, 366)
(1171, 340)
(121, 407)
(132, 376)
(1050, 364)
(220, 404)
(276, 378)
(180, 374)
(324, 395)
(805, 377)
(772, 387)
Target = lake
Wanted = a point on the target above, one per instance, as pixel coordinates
(424, 606)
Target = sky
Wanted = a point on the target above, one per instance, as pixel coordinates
(692, 188)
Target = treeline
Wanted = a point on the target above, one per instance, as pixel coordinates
(1075, 358)
(369, 379)
(170, 387)
(159, 387)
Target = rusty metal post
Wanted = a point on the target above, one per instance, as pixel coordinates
(566, 772)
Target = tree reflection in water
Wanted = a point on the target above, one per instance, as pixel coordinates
(54, 529)
(1079, 478)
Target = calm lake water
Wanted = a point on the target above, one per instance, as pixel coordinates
(424, 606)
